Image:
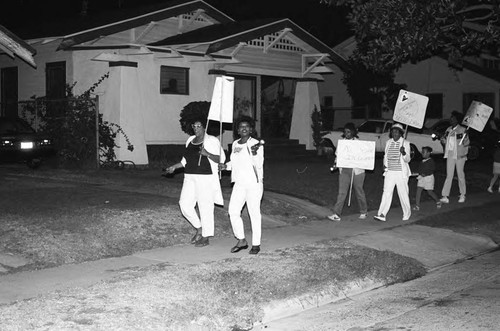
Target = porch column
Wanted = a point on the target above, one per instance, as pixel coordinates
(306, 98)
(123, 105)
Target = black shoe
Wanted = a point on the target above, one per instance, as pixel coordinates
(255, 250)
(196, 238)
(237, 248)
(202, 242)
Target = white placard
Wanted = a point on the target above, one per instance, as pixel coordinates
(356, 154)
(410, 109)
(477, 115)
(221, 108)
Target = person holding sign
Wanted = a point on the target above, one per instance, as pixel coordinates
(247, 166)
(456, 147)
(396, 172)
(346, 176)
(201, 181)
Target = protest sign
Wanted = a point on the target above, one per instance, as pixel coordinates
(477, 116)
(221, 107)
(356, 154)
(410, 109)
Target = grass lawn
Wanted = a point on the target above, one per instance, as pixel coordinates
(119, 212)
(224, 295)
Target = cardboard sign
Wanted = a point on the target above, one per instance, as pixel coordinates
(221, 108)
(477, 115)
(410, 109)
(356, 154)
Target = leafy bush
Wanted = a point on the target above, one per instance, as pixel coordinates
(317, 124)
(71, 122)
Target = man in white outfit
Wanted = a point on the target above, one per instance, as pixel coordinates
(247, 166)
(397, 172)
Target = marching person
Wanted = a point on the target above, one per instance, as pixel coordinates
(456, 147)
(201, 181)
(496, 167)
(425, 178)
(345, 177)
(396, 173)
(247, 166)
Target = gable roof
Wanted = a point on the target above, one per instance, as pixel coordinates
(13, 46)
(221, 36)
(173, 9)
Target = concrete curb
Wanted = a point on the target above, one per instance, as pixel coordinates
(280, 309)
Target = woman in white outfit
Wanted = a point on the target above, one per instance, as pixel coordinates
(247, 166)
(456, 147)
(396, 173)
(201, 182)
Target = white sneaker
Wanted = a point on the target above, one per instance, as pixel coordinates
(444, 200)
(461, 199)
(334, 217)
(362, 216)
(439, 204)
(380, 217)
(490, 189)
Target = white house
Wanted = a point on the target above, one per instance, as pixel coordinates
(448, 89)
(161, 60)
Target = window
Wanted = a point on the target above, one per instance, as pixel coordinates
(435, 105)
(327, 101)
(174, 80)
(55, 80)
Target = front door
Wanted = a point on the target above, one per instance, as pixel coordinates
(245, 97)
(277, 98)
(9, 92)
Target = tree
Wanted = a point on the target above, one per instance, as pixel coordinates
(390, 33)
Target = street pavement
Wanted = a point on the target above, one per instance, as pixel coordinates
(432, 246)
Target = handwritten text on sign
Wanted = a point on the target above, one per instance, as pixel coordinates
(477, 116)
(410, 109)
(356, 154)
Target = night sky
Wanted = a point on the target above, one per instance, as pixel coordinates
(326, 23)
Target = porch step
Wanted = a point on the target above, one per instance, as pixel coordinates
(286, 149)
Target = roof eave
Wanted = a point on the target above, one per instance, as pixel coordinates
(91, 34)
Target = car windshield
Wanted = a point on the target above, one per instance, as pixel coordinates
(371, 126)
(12, 126)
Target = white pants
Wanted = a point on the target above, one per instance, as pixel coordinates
(395, 178)
(251, 194)
(194, 191)
(451, 165)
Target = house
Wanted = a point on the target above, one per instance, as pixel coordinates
(167, 56)
(448, 89)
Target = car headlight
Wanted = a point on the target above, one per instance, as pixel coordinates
(27, 145)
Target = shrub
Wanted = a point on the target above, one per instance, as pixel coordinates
(316, 126)
(71, 122)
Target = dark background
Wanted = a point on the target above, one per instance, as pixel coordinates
(43, 18)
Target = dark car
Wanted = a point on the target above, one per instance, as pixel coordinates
(19, 142)
(481, 143)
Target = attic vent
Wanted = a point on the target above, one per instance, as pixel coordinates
(283, 44)
(200, 18)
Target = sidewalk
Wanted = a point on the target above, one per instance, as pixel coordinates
(431, 246)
